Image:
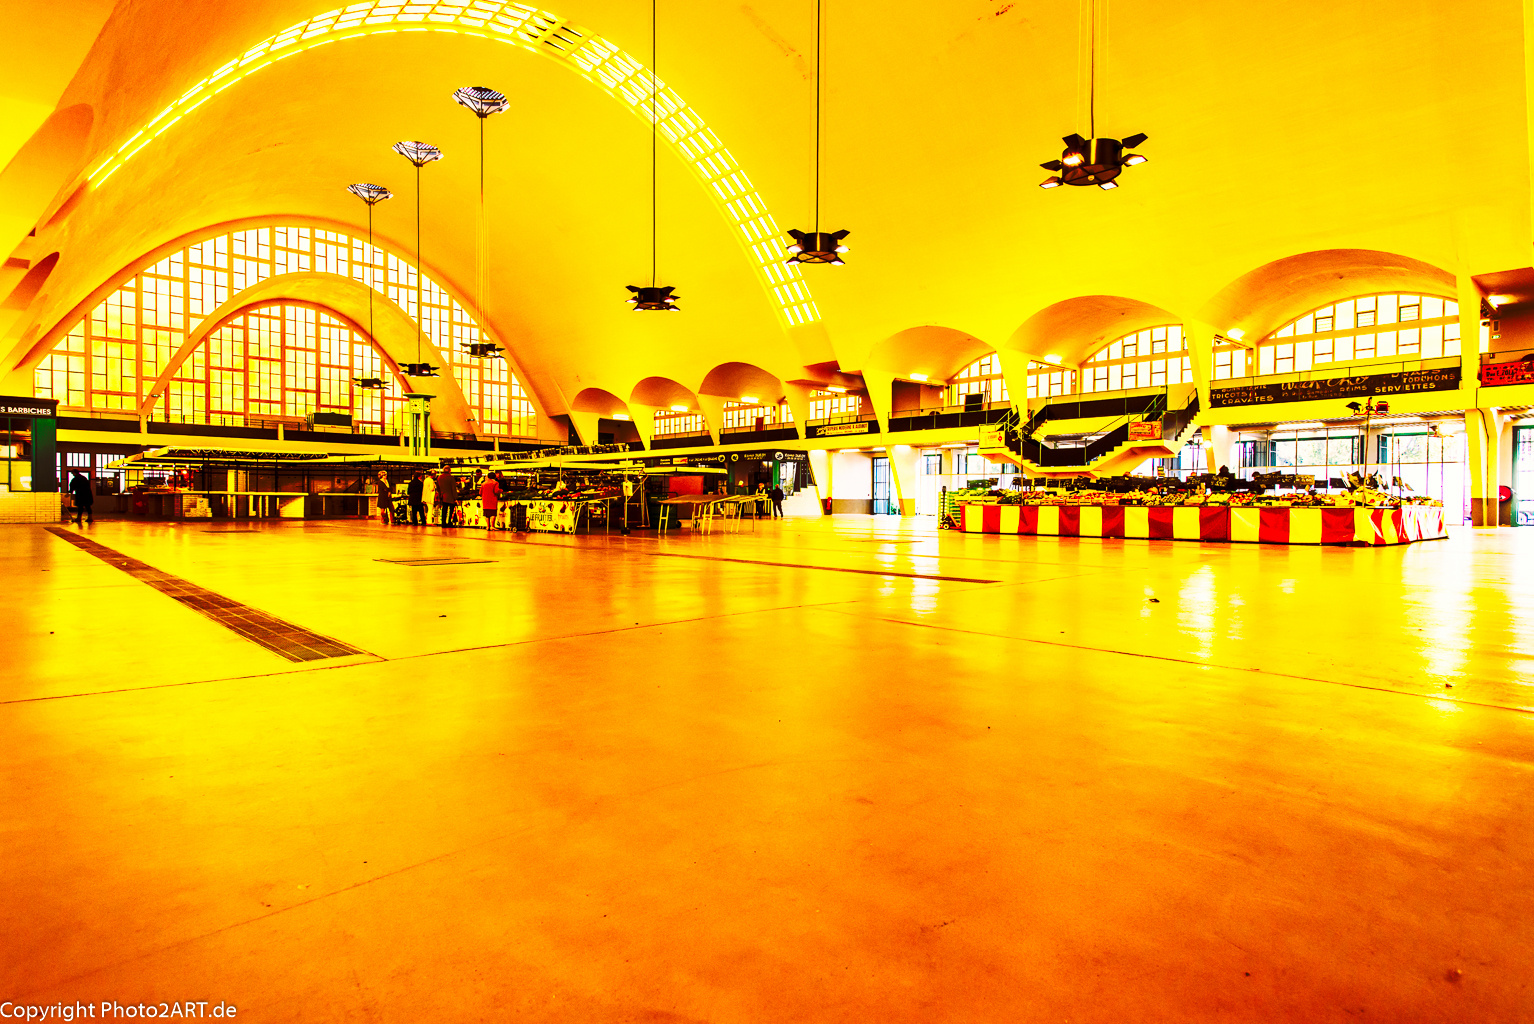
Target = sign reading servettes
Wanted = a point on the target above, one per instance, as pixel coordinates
(1373, 385)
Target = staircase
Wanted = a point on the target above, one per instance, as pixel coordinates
(1110, 452)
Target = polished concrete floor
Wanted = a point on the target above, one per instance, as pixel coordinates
(721, 779)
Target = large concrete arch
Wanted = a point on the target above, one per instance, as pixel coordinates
(580, 50)
(394, 334)
(1263, 300)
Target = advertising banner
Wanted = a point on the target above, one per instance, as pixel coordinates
(837, 429)
(551, 516)
(1145, 430)
(1373, 385)
(1519, 372)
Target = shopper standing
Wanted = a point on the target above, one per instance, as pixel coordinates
(447, 496)
(415, 493)
(385, 498)
(429, 495)
(84, 497)
(490, 500)
(776, 494)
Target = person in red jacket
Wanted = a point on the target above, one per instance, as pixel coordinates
(490, 498)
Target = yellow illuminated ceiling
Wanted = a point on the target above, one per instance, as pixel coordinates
(1353, 129)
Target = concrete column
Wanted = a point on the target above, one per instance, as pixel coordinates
(880, 395)
(1469, 296)
(585, 425)
(1483, 450)
(798, 396)
(1014, 370)
(644, 422)
(1218, 447)
(820, 469)
(712, 407)
(904, 472)
(1200, 339)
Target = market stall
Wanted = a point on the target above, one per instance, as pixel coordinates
(1278, 524)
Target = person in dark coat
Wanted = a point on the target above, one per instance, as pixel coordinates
(414, 494)
(776, 494)
(447, 496)
(84, 497)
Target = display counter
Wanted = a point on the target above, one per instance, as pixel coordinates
(1248, 524)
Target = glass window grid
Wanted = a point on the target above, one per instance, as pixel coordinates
(1347, 331)
(741, 415)
(670, 423)
(115, 354)
(831, 405)
(982, 377)
(1144, 359)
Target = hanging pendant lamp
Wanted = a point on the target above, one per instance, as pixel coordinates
(420, 154)
(817, 246)
(654, 298)
(372, 195)
(1093, 161)
(484, 102)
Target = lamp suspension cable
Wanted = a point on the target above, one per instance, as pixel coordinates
(814, 245)
(654, 141)
(418, 293)
(1092, 71)
(368, 266)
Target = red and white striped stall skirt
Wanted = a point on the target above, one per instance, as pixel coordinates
(1368, 526)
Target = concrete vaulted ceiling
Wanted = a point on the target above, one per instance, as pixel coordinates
(1275, 132)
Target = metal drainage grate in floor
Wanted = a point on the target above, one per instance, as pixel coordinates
(284, 639)
(435, 561)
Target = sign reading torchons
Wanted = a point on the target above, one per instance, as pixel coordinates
(1337, 387)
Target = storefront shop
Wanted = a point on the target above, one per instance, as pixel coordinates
(28, 476)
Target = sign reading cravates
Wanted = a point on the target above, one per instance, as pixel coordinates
(1337, 387)
(836, 429)
(15, 406)
(1145, 430)
(1519, 372)
(551, 516)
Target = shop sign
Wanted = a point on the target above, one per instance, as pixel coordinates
(767, 456)
(837, 429)
(1145, 430)
(1336, 388)
(1520, 372)
(551, 516)
(11, 405)
(993, 441)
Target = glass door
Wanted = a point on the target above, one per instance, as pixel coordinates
(1523, 476)
(884, 497)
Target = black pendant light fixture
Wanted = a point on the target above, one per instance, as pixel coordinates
(420, 154)
(817, 246)
(484, 102)
(654, 298)
(372, 195)
(1093, 161)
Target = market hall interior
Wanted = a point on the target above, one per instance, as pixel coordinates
(797, 510)
(839, 769)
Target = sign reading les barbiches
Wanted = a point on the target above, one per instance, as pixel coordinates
(1446, 379)
(11, 405)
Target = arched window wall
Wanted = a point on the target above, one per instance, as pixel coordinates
(1407, 326)
(1152, 358)
(110, 360)
(982, 377)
